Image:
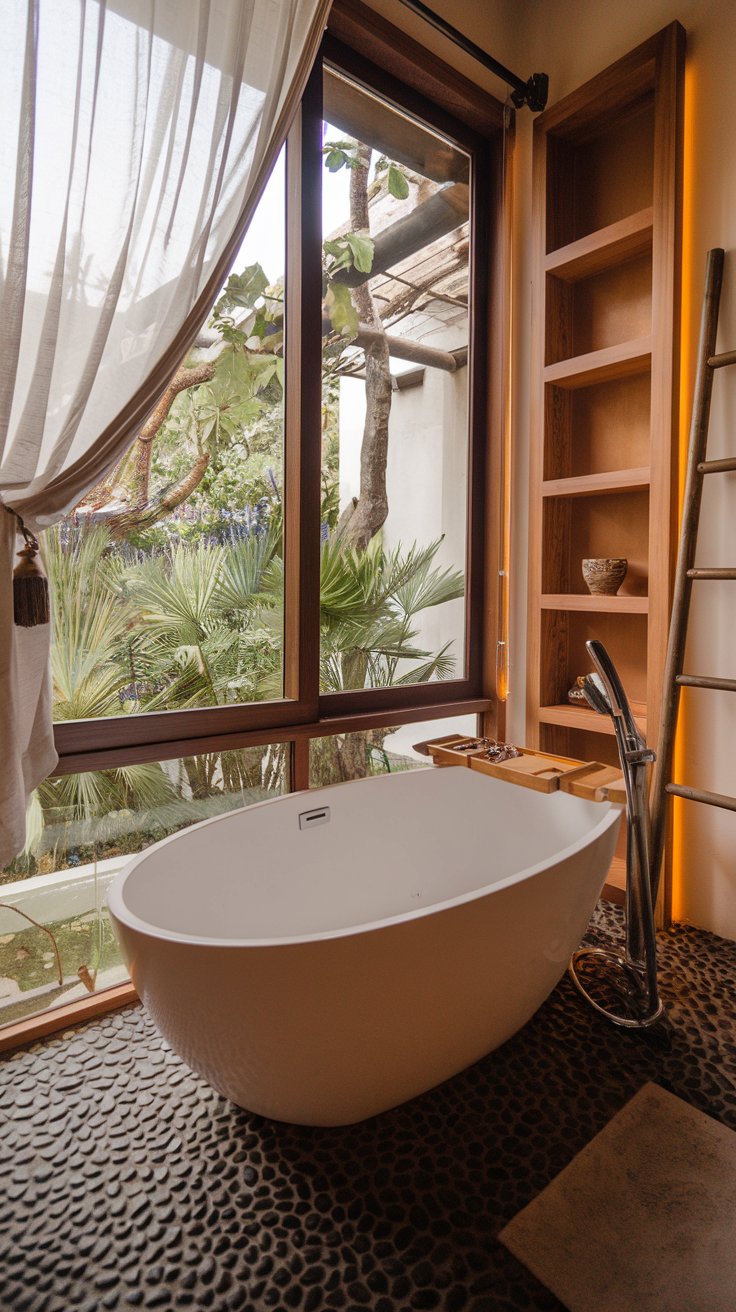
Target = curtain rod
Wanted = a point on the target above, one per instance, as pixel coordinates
(532, 93)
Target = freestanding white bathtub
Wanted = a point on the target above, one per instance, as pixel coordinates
(327, 955)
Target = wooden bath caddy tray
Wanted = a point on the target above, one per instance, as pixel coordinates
(590, 780)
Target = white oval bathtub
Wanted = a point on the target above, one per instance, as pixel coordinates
(321, 974)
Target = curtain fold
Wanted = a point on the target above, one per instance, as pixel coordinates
(136, 138)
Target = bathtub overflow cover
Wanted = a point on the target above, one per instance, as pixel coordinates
(310, 819)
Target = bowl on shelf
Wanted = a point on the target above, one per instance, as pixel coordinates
(605, 574)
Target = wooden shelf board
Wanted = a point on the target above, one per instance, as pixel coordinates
(600, 250)
(602, 604)
(596, 485)
(580, 717)
(621, 361)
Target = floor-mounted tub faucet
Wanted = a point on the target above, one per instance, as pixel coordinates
(633, 975)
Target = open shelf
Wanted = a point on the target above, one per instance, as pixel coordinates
(605, 395)
(604, 428)
(592, 485)
(611, 362)
(604, 249)
(581, 717)
(596, 603)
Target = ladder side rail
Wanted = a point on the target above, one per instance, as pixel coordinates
(697, 446)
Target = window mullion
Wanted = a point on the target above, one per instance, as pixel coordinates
(303, 423)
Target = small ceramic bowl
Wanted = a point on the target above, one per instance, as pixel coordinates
(605, 574)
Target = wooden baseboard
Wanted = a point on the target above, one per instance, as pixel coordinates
(22, 1032)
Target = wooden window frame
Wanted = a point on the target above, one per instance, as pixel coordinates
(373, 52)
(368, 49)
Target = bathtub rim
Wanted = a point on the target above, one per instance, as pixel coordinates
(119, 910)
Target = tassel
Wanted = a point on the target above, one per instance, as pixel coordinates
(30, 585)
(30, 590)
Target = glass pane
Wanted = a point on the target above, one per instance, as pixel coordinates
(342, 757)
(395, 385)
(167, 577)
(82, 830)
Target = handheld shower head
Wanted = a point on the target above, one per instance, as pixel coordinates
(605, 693)
(595, 694)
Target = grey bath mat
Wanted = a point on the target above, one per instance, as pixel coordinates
(643, 1219)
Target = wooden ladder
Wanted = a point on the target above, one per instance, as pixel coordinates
(686, 574)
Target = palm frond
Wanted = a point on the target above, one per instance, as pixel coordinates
(174, 595)
(439, 666)
(244, 564)
(429, 588)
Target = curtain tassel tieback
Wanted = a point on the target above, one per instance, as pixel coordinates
(30, 585)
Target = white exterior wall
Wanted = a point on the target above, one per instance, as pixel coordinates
(426, 478)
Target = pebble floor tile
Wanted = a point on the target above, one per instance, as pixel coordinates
(125, 1182)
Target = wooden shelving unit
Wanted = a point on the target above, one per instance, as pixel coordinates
(607, 165)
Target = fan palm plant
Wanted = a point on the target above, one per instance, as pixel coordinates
(369, 603)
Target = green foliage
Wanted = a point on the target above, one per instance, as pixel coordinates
(242, 290)
(396, 179)
(339, 309)
(341, 155)
(352, 250)
(397, 183)
(89, 626)
(369, 601)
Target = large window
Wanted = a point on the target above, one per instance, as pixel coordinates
(298, 548)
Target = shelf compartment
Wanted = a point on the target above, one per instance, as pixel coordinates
(596, 177)
(621, 361)
(580, 528)
(600, 311)
(597, 429)
(580, 717)
(601, 604)
(601, 250)
(595, 485)
(564, 634)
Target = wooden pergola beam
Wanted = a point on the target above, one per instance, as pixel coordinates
(403, 348)
(445, 211)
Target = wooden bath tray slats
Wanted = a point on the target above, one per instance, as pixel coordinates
(532, 769)
(541, 771)
(596, 782)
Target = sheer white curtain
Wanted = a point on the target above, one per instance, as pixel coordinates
(135, 137)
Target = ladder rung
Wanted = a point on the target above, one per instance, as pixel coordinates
(729, 573)
(698, 795)
(719, 361)
(717, 466)
(704, 681)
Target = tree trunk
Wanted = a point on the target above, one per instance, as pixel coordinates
(183, 379)
(363, 520)
(134, 469)
(140, 517)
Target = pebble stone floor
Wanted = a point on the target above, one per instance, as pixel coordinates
(126, 1182)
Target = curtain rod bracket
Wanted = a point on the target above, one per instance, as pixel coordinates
(533, 92)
